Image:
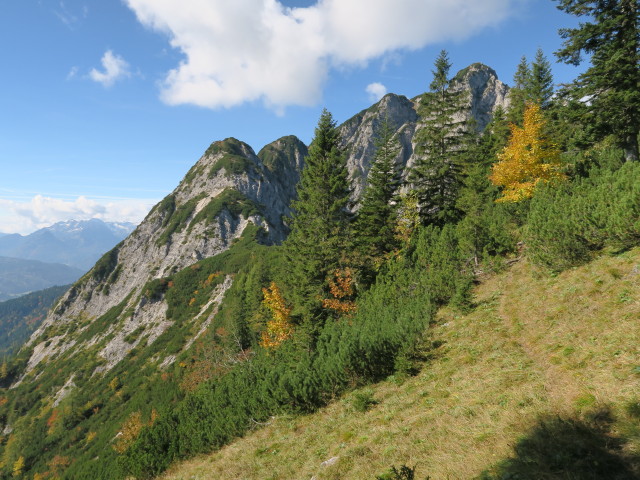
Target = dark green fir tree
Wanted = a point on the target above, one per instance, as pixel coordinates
(541, 87)
(610, 34)
(440, 147)
(319, 237)
(377, 216)
(519, 93)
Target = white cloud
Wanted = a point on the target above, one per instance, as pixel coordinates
(115, 68)
(246, 50)
(376, 91)
(41, 211)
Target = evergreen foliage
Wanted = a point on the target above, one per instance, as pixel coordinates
(392, 314)
(532, 83)
(541, 89)
(375, 224)
(519, 92)
(320, 225)
(485, 229)
(567, 225)
(610, 88)
(440, 145)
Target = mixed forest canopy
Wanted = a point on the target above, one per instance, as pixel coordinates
(347, 298)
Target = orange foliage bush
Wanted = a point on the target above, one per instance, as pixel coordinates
(342, 289)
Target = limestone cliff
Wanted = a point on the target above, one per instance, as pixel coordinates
(486, 93)
(227, 189)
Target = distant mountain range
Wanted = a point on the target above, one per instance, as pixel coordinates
(19, 277)
(78, 244)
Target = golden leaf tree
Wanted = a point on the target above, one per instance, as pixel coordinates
(279, 328)
(529, 158)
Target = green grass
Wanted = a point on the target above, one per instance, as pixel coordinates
(539, 381)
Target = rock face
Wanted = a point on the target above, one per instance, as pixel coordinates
(358, 135)
(486, 93)
(226, 190)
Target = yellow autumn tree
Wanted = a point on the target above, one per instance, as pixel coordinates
(408, 218)
(279, 328)
(529, 158)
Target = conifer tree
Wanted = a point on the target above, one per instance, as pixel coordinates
(519, 93)
(611, 36)
(319, 234)
(541, 87)
(483, 230)
(375, 224)
(440, 146)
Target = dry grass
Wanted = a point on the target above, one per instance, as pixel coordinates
(534, 346)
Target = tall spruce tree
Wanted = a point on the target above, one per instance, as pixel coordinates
(611, 35)
(541, 87)
(440, 146)
(519, 93)
(377, 216)
(320, 225)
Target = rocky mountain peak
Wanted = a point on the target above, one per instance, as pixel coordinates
(487, 92)
(228, 189)
(359, 133)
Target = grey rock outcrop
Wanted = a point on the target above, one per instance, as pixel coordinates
(358, 134)
(226, 190)
(486, 92)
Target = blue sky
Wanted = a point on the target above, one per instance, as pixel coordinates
(105, 105)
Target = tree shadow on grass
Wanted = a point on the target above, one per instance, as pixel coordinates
(568, 449)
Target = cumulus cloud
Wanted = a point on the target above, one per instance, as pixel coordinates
(376, 91)
(41, 211)
(115, 68)
(246, 50)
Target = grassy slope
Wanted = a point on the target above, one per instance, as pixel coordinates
(542, 365)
